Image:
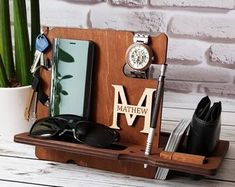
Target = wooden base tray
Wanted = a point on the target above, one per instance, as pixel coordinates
(129, 160)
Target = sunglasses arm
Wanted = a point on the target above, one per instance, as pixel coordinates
(70, 130)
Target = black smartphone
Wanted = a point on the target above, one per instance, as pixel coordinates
(71, 77)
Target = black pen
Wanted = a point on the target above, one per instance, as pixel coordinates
(156, 109)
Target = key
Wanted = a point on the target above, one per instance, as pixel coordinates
(34, 112)
(32, 95)
(28, 106)
(35, 100)
(44, 62)
(41, 46)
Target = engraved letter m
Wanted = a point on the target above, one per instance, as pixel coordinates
(131, 111)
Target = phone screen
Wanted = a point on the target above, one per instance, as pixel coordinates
(71, 77)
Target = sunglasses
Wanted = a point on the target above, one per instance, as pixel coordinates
(73, 127)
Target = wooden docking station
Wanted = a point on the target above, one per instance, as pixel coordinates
(110, 51)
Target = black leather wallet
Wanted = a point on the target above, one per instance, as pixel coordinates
(204, 128)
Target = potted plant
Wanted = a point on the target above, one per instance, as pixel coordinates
(15, 77)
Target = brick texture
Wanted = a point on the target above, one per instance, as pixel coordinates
(197, 74)
(201, 35)
(223, 54)
(218, 90)
(149, 21)
(228, 4)
(206, 27)
(186, 51)
(177, 86)
(86, 1)
(61, 17)
(130, 3)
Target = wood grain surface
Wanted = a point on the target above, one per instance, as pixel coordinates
(108, 70)
(110, 52)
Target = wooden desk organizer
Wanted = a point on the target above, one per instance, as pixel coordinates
(109, 60)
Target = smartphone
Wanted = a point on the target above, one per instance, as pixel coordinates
(71, 77)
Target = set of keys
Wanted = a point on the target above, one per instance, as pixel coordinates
(32, 102)
(42, 45)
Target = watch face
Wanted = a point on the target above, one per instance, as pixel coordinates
(138, 56)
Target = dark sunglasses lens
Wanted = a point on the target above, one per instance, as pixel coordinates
(44, 128)
(102, 137)
(96, 135)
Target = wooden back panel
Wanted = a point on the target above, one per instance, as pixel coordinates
(110, 51)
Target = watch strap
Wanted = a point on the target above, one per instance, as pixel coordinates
(142, 38)
(139, 74)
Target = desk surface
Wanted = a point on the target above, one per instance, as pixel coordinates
(20, 167)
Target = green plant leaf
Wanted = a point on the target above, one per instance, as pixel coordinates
(19, 69)
(5, 40)
(59, 75)
(3, 75)
(35, 24)
(64, 56)
(57, 99)
(63, 92)
(67, 77)
(57, 105)
(59, 87)
(22, 47)
(56, 110)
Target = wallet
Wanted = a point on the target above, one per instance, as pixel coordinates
(204, 128)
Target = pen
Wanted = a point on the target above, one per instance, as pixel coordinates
(156, 109)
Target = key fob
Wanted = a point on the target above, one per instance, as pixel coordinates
(42, 43)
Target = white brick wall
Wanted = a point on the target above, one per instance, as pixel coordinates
(124, 19)
(203, 26)
(223, 53)
(201, 53)
(178, 51)
(130, 3)
(223, 4)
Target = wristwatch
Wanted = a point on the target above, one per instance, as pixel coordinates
(139, 55)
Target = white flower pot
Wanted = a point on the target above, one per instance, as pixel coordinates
(12, 106)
